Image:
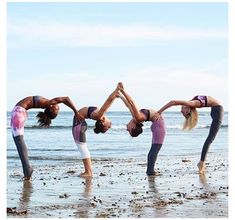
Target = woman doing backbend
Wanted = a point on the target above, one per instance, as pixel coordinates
(190, 113)
(19, 116)
(134, 127)
(102, 124)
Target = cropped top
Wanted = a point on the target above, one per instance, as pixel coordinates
(146, 112)
(90, 110)
(36, 98)
(202, 99)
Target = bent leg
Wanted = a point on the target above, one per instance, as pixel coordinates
(23, 154)
(215, 125)
(217, 115)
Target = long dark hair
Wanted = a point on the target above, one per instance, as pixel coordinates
(137, 130)
(44, 118)
(99, 127)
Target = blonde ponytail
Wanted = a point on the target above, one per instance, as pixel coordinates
(191, 121)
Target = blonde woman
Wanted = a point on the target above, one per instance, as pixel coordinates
(189, 111)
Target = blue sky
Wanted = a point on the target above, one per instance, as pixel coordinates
(160, 51)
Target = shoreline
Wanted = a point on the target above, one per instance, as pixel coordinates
(120, 188)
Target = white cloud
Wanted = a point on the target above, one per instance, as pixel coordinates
(163, 84)
(77, 35)
(150, 87)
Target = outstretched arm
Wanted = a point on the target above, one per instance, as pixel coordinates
(67, 101)
(107, 103)
(127, 104)
(191, 103)
(138, 117)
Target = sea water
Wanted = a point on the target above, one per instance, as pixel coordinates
(56, 145)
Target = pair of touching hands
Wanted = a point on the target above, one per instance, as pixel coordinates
(119, 94)
(119, 88)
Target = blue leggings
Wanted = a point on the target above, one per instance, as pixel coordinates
(152, 157)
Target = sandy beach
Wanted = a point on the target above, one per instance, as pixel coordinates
(120, 188)
(74, 54)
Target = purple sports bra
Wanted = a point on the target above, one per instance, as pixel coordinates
(202, 99)
(90, 110)
(146, 112)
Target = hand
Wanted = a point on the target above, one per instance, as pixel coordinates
(120, 86)
(79, 117)
(156, 116)
(118, 94)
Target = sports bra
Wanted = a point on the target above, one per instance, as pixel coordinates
(146, 112)
(36, 98)
(202, 99)
(90, 110)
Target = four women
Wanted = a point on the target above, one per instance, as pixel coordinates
(134, 127)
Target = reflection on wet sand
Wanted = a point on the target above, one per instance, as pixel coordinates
(152, 184)
(84, 201)
(158, 199)
(202, 179)
(23, 205)
(26, 194)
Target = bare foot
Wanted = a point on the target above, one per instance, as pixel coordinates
(155, 174)
(28, 175)
(201, 166)
(85, 174)
(27, 178)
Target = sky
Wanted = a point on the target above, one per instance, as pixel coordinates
(160, 51)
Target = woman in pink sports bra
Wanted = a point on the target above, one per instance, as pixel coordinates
(190, 113)
(19, 116)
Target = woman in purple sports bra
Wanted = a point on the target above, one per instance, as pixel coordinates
(19, 116)
(189, 111)
(79, 128)
(134, 127)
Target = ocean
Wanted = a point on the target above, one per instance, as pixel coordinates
(55, 144)
(119, 186)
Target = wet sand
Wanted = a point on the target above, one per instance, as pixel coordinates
(120, 188)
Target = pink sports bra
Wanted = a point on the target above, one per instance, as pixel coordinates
(202, 99)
